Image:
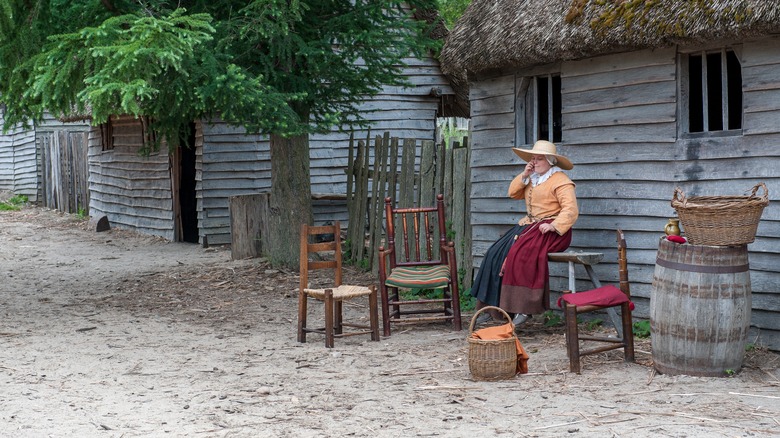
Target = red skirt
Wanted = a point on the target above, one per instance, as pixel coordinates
(526, 274)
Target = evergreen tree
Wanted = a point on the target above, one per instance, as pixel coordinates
(285, 68)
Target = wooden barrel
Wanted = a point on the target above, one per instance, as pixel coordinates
(700, 309)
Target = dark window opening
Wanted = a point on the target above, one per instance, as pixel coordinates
(734, 86)
(107, 136)
(696, 99)
(543, 109)
(714, 92)
(548, 108)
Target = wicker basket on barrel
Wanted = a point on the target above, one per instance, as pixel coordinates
(720, 220)
(492, 359)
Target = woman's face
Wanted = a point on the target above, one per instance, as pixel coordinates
(541, 165)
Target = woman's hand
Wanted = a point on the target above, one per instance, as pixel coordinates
(528, 170)
(546, 227)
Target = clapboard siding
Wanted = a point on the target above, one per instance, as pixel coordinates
(20, 157)
(234, 163)
(131, 190)
(620, 128)
(492, 161)
(21, 162)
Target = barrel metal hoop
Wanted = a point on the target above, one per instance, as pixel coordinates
(703, 269)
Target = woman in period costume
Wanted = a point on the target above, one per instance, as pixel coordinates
(514, 272)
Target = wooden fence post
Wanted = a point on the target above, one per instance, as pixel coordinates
(458, 208)
(427, 186)
(468, 262)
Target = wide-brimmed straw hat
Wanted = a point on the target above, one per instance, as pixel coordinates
(544, 147)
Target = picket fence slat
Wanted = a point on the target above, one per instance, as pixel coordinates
(442, 169)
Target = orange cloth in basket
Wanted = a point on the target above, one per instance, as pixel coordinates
(505, 331)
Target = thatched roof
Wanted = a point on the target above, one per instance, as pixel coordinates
(499, 34)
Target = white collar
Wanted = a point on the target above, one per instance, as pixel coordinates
(537, 179)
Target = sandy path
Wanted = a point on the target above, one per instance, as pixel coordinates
(118, 335)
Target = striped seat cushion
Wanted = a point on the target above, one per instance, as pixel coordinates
(419, 277)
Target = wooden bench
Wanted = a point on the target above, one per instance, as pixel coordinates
(586, 259)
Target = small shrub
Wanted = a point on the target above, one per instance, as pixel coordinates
(467, 302)
(551, 319)
(642, 329)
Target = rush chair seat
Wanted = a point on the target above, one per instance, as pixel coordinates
(321, 249)
(593, 300)
(418, 258)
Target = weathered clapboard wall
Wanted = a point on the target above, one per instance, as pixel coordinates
(18, 172)
(134, 191)
(620, 129)
(23, 162)
(234, 163)
(405, 112)
(231, 163)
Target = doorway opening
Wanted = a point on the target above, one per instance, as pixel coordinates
(188, 201)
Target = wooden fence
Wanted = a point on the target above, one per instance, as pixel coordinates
(390, 168)
(64, 175)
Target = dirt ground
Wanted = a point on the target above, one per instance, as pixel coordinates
(114, 334)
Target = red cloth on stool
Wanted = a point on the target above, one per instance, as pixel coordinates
(604, 296)
(505, 331)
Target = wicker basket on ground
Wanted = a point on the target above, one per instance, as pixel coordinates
(720, 220)
(492, 359)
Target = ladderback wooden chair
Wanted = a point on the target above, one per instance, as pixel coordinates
(321, 249)
(600, 299)
(417, 257)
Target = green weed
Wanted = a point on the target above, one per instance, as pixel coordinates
(593, 324)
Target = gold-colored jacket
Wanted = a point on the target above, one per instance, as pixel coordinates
(552, 199)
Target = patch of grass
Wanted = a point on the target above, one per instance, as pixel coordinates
(413, 294)
(82, 214)
(14, 203)
(593, 324)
